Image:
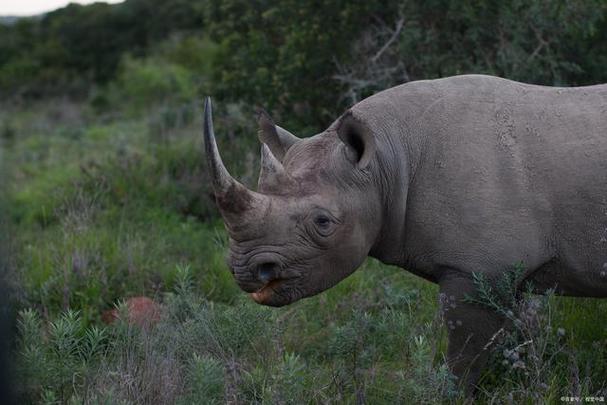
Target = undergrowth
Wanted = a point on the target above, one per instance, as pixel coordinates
(533, 358)
(241, 352)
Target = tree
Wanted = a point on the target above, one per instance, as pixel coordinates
(282, 53)
(309, 60)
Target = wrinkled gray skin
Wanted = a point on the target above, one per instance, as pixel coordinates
(443, 178)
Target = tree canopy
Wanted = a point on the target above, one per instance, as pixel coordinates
(307, 60)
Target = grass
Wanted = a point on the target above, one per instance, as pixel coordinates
(206, 349)
(108, 207)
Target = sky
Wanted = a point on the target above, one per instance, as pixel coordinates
(31, 7)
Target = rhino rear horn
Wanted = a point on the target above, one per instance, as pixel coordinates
(233, 198)
(279, 140)
(271, 172)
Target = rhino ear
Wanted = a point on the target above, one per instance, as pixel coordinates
(358, 139)
(279, 140)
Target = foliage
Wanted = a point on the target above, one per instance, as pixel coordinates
(142, 82)
(311, 60)
(82, 202)
(77, 44)
(305, 61)
(534, 356)
(313, 352)
(504, 296)
(203, 349)
(64, 357)
(296, 45)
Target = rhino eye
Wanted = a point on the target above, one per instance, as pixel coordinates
(322, 221)
(324, 225)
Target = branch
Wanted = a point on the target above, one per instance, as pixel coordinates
(399, 26)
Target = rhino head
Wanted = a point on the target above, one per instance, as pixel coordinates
(314, 217)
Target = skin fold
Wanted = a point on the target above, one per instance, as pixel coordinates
(444, 178)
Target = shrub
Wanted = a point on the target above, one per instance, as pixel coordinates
(144, 83)
(532, 360)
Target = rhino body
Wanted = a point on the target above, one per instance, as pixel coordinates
(445, 178)
(491, 172)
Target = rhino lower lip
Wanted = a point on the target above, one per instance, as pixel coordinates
(265, 292)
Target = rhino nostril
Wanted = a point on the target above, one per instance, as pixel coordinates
(267, 272)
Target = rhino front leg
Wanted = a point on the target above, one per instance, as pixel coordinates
(470, 328)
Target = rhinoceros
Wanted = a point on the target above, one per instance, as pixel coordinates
(444, 178)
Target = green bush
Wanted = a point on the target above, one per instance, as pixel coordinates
(144, 83)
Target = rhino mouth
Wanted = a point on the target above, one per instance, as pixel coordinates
(265, 294)
(278, 292)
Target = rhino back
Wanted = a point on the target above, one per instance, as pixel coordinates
(500, 172)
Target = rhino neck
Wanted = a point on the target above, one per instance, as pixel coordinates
(399, 145)
(396, 163)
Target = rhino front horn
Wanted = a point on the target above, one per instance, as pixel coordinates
(232, 197)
